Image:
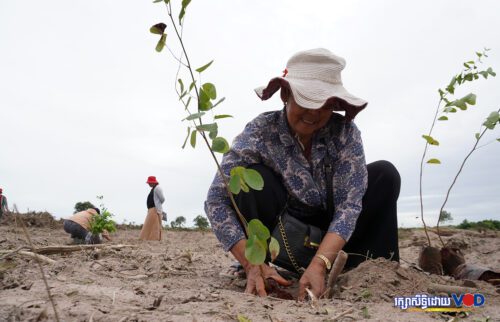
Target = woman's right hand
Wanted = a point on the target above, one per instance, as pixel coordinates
(257, 274)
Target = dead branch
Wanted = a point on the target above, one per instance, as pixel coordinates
(9, 253)
(349, 311)
(42, 258)
(47, 250)
(338, 266)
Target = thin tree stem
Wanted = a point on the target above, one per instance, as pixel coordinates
(474, 148)
(421, 174)
(202, 133)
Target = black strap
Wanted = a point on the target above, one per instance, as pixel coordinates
(330, 206)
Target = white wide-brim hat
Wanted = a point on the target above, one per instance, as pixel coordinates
(313, 76)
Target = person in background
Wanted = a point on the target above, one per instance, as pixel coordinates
(152, 230)
(78, 225)
(4, 207)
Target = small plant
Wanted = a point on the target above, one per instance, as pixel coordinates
(205, 95)
(201, 222)
(83, 205)
(100, 223)
(470, 73)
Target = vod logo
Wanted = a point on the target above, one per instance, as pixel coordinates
(468, 299)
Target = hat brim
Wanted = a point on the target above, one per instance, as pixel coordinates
(314, 94)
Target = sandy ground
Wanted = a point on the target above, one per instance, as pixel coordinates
(182, 272)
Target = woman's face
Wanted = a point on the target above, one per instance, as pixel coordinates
(305, 122)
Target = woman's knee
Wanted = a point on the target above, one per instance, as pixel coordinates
(387, 175)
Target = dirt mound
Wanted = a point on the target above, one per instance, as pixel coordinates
(41, 219)
(381, 280)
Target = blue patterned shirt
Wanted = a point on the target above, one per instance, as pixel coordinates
(267, 140)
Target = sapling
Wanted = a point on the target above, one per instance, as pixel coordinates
(205, 95)
(99, 223)
(470, 73)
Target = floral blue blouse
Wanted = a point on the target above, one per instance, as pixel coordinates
(267, 140)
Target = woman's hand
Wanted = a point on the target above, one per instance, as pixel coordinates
(313, 278)
(257, 274)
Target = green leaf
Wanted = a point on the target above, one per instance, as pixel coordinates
(234, 184)
(479, 54)
(441, 93)
(257, 228)
(187, 136)
(485, 74)
(443, 118)
(193, 139)
(210, 90)
(218, 102)
(477, 135)
(274, 248)
(219, 144)
(207, 127)
(466, 65)
(194, 116)
(460, 104)
(451, 87)
(181, 84)
(255, 250)
(498, 139)
(158, 29)
(204, 103)
(242, 318)
(185, 3)
(202, 68)
(253, 179)
(161, 43)
(430, 140)
(470, 99)
(191, 86)
(213, 134)
(222, 116)
(237, 171)
(468, 77)
(434, 161)
(491, 72)
(492, 120)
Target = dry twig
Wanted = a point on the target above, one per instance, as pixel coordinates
(42, 258)
(338, 316)
(41, 270)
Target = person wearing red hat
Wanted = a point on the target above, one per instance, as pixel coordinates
(3, 204)
(151, 230)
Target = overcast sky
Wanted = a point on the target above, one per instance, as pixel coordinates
(88, 107)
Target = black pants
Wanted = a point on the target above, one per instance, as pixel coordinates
(376, 232)
(75, 229)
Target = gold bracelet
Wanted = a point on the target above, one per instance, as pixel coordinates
(328, 264)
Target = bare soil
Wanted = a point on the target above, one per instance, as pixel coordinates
(178, 279)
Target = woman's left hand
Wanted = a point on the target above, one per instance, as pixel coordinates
(313, 278)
